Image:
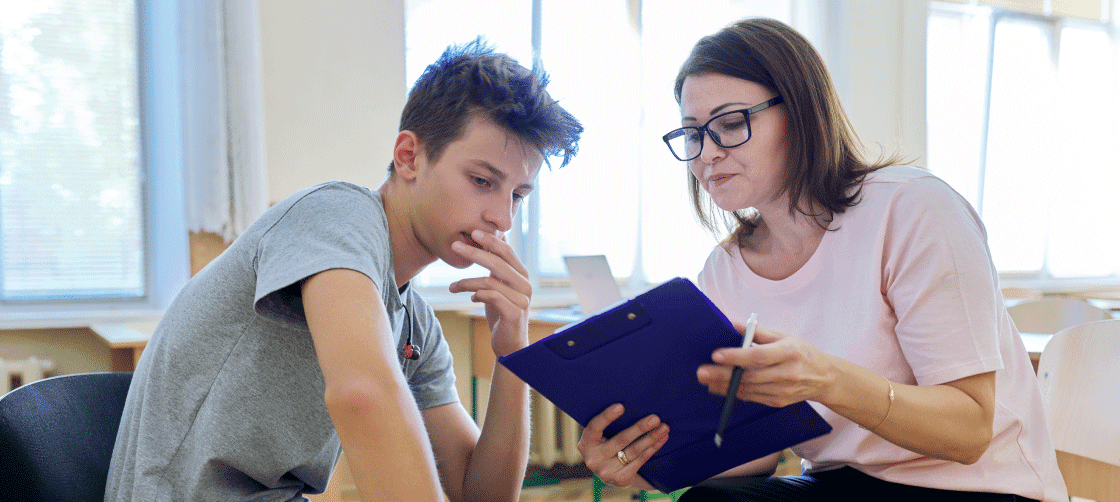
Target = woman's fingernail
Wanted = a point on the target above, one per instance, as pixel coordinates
(703, 373)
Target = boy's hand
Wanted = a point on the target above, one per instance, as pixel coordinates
(506, 292)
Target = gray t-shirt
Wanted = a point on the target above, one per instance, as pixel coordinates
(227, 400)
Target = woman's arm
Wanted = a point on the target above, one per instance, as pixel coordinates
(951, 421)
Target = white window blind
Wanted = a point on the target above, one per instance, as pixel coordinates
(71, 179)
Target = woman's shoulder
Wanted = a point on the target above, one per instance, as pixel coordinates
(720, 262)
(897, 174)
(907, 184)
(911, 197)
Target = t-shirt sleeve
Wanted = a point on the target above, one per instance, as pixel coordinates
(330, 227)
(939, 278)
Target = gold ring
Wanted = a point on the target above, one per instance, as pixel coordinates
(622, 457)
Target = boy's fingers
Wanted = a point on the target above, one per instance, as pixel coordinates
(498, 246)
(509, 273)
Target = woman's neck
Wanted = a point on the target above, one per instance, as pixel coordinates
(782, 242)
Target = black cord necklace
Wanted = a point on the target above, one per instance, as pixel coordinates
(409, 351)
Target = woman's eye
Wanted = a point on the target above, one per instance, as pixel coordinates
(482, 182)
(518, 197)
(732, 124)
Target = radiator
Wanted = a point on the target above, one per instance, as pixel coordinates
(17, 373)
(554, 435)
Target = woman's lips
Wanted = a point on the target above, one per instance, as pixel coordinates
(716, 181)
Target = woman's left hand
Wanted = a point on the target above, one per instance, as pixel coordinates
(779, 370)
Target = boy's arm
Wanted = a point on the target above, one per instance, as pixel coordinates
(472, 468)
(489, 465)
(366, 394)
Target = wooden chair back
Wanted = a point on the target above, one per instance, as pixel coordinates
(1079, 377)
(1052, 315)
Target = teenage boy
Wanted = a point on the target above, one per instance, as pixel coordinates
(305, 336)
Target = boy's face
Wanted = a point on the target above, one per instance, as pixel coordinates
(477, 184)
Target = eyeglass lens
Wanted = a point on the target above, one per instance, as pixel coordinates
(727, 130)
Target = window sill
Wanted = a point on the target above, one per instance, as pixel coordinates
(75, 318)
(543, 298)
(1052, 286)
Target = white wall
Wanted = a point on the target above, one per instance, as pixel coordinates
(876, 53)
(334, 86)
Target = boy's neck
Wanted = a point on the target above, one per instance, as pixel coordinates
(409, 255)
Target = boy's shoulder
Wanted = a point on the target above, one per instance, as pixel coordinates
(332, 190)
(334, 200)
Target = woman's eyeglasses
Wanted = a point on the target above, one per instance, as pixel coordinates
(729, 129)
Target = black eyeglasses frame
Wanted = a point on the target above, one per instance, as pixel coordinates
(705, 131)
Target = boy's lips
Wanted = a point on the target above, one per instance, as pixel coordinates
(470, 241)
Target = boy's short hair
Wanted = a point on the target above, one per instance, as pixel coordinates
(473, 79)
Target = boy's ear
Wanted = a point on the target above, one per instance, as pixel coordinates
(406, 153)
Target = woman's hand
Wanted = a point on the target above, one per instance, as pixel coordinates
(778, 371)
(637, 443)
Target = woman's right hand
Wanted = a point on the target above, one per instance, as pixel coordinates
(638, 443)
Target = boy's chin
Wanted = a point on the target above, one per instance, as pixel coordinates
(459, 262)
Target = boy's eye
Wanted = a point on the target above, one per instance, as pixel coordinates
(517, 197)
(482, 182)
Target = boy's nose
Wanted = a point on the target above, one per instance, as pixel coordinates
(500, 217)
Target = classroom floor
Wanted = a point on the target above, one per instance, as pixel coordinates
(574, 489)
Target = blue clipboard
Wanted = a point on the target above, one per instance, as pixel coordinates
(644, 353)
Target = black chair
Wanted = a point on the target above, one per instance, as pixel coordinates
(57, 436)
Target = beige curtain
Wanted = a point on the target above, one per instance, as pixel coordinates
(224, 155)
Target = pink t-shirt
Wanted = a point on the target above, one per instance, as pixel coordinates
(906, 288)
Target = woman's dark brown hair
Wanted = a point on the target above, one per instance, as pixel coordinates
(826, 165)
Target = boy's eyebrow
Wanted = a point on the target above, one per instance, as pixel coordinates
(499, 175)
(715, 111)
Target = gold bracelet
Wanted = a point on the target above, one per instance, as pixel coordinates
(890, 404)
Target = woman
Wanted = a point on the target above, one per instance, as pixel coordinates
(876, 295)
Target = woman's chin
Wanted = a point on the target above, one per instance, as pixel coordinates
(730, 205)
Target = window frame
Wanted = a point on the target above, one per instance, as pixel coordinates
(166, 244)
(1042, 279)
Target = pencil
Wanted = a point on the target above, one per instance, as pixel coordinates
(736, 375)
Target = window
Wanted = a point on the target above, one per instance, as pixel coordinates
(624, 195)
(1023, 122)
(88, 146)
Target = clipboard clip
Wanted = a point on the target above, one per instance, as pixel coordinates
(602, 329)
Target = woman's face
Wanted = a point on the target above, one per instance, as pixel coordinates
(748, 175)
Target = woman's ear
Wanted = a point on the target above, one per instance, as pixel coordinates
(406, 153)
